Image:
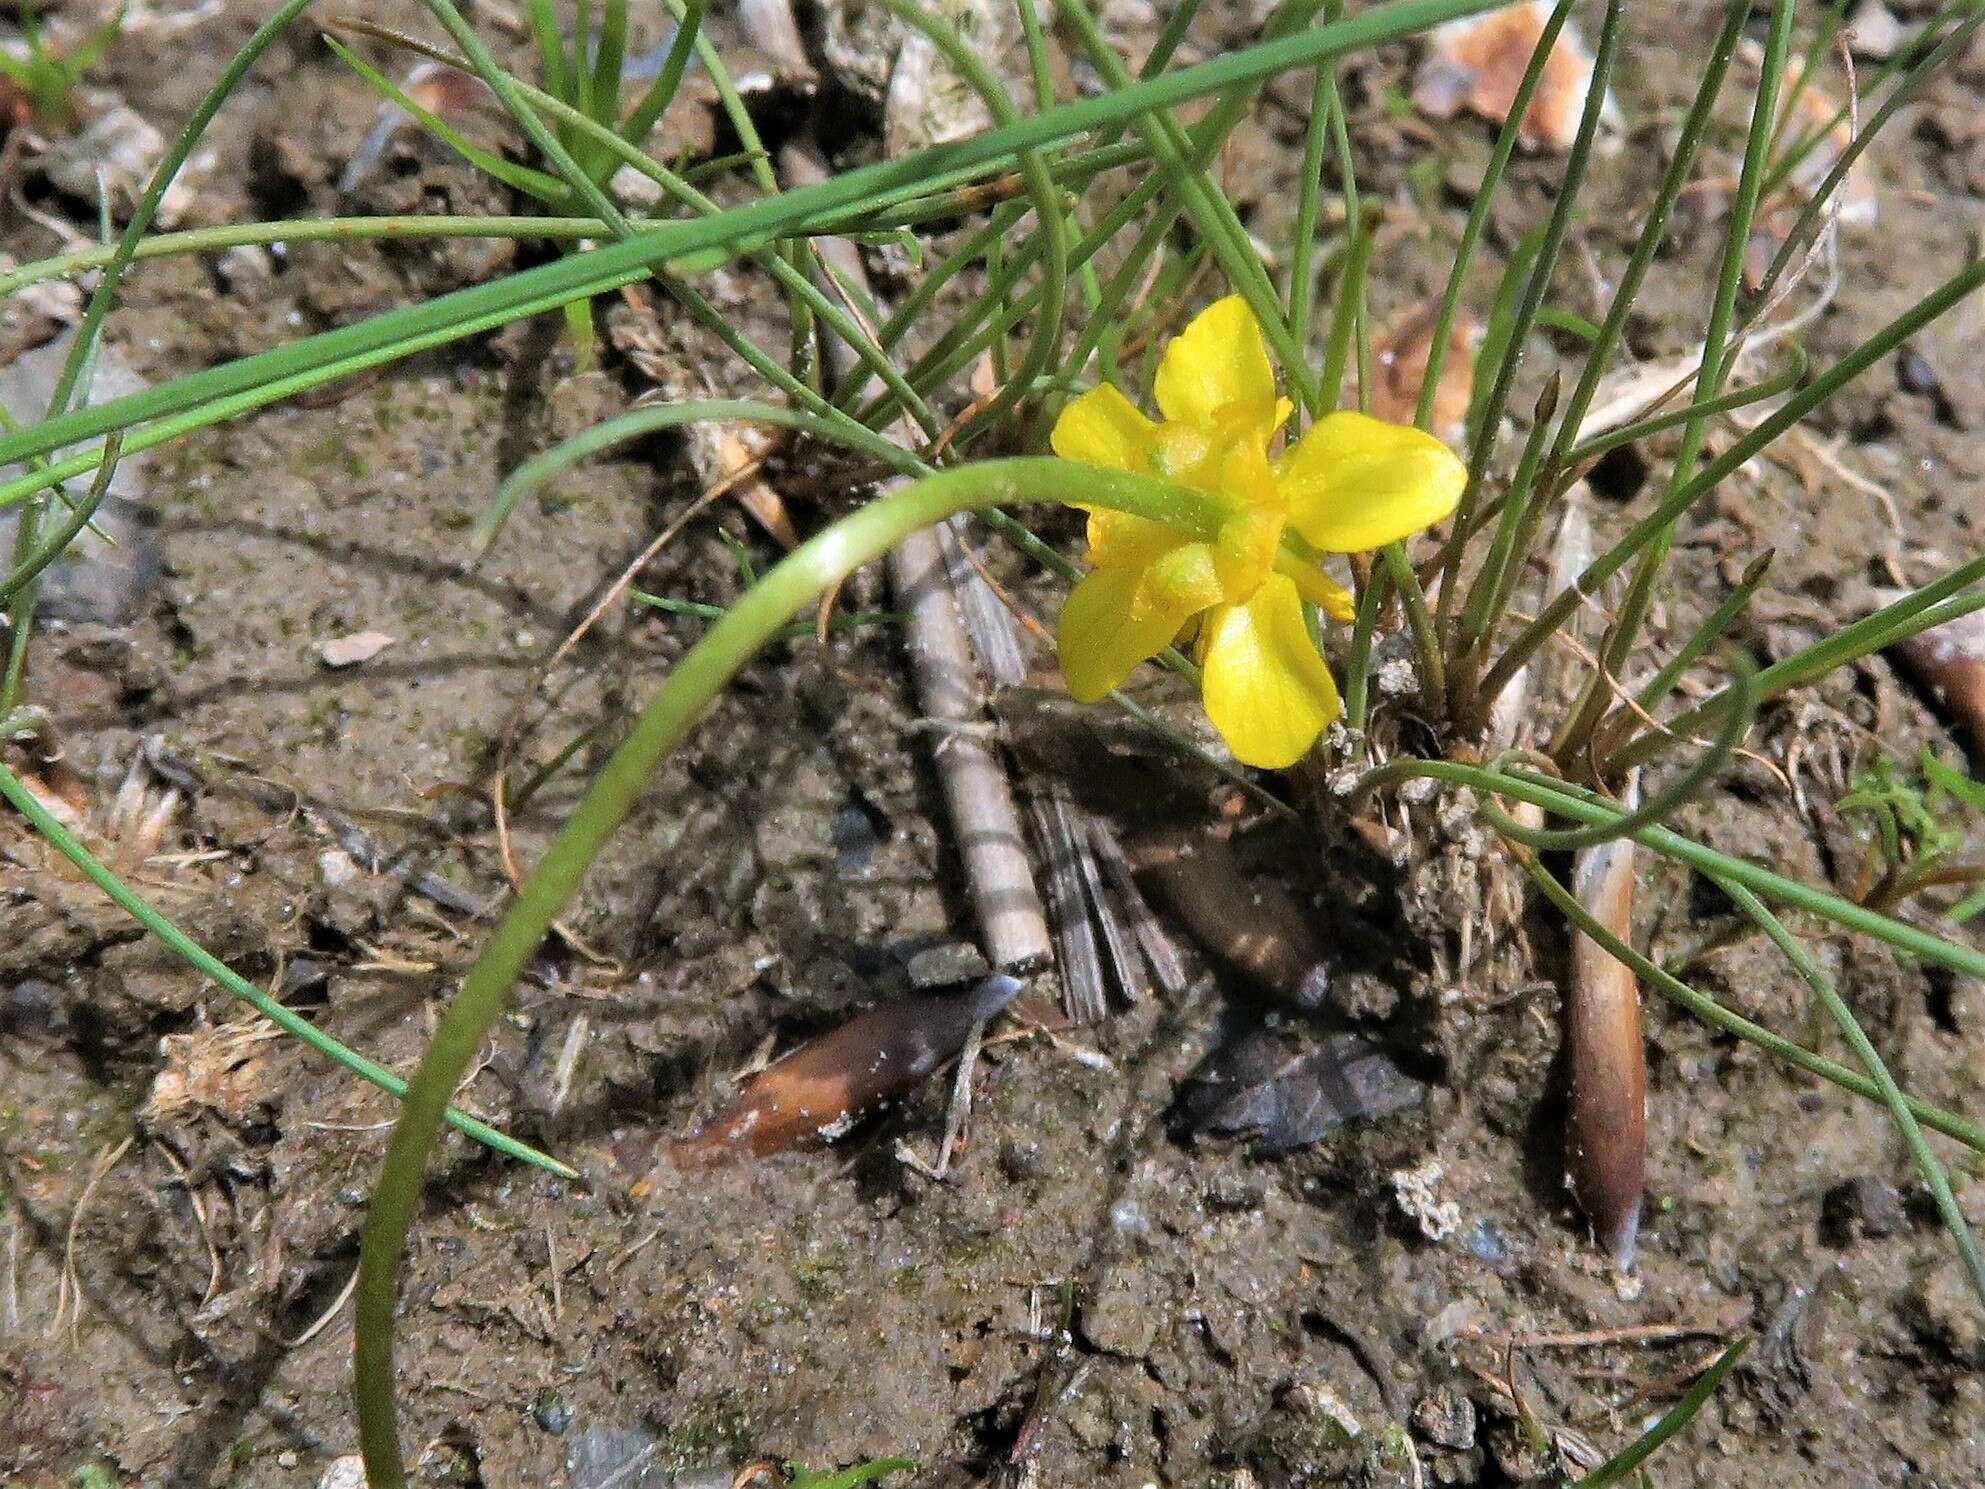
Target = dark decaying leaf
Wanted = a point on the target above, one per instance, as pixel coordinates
(1251, 925)
(1294, 1094)
(827, 1085)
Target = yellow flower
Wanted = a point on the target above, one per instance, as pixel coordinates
(1350, 483)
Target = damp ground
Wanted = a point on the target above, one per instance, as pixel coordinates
(1411, 1299)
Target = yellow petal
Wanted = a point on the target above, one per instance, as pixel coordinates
(1215, 362)
(1266, 689)
(1354, 482)
(1102, 427)
(1318, 587)
(1121, 540)
(1245, 550)
(1184, 580)
(1245, 474)
(1101, 641)
(1185, 452)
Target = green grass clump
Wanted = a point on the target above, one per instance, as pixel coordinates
(48, 80)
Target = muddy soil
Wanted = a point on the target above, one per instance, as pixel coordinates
(1410, 1300)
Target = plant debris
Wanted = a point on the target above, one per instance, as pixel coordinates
(349, 651)
(1399, 368)
(822, 1089)
(225, 1070)
(1606, 1127)
(1949, 660)
(1293, 1096)
(1478, 65)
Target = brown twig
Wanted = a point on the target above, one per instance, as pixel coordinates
(69, 1289)
(980, 800)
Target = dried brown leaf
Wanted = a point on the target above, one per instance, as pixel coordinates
(1478, 64)
(827, 1085)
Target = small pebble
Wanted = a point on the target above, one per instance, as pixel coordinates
(245, 268)
(350, 651)
(96, 581)
(1445, 1418)
(551, 1411)
(948, 966)
(1486, 1242)
(1915, 374)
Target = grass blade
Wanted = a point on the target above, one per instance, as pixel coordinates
(1616, 1468)
(717, 239)
(25, 802)
(1864, 1050)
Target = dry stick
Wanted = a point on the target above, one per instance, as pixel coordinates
(984, 819)
(1081, 849)
(978, 795)
(1596, 1338)
(69, 1292)
(1069, 838)
(983, 814)
(12, 1318)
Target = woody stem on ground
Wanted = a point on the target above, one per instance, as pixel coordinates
(984, 817)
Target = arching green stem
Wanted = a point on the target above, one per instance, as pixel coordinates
(1738, 715)
(668, 717)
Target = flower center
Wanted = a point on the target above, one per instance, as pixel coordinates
(1182, 452)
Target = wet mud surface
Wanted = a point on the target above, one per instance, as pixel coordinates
(1090, 1293)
